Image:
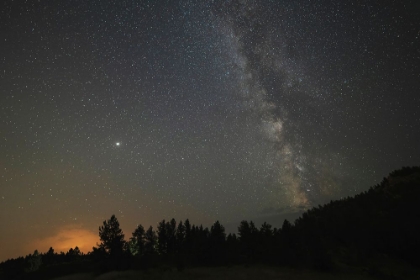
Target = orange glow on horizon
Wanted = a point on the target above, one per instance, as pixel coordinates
(66, 238)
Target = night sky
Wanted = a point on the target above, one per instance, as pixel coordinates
(207, 110)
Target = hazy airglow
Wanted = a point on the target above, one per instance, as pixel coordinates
(65, 238)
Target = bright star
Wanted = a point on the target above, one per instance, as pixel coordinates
(118, 143)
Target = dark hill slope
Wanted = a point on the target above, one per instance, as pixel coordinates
(383, 220)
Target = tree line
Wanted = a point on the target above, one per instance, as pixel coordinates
(189, 244)
(380, 221)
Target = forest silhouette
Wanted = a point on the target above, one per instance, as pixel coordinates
(379, 223)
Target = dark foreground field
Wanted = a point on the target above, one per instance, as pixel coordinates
(236, 272)
(258, 272)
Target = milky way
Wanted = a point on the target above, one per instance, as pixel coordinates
(207, 110)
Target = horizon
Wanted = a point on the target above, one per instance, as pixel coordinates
(75, 236)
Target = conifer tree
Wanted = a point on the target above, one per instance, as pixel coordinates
(112, 237)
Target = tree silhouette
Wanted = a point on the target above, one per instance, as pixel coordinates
(162, 236)
(217, 234)
(73, 254)
(217, 242)
(50, 251)
(137, 241)
(248, 238)
(188, 240)
(150, 241)
(33, 262)
(49, 257)
(266, 242)
(232, 247)
(112, 237)
(200, 243)
(180, 237)
(171, 235)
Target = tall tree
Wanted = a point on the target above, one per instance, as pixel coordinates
(162, 235)
(244, 230)
(217, 242)
(180, 237)
(188, 236)
(266, 242)
(112, 237)
(217, 233)
(137, 241)
(171, 233)
(249, 236)
(49, 257)
(150, 241)
(244, 233)
(232, 246)
(266, 231)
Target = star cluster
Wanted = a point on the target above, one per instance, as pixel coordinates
(207, 110)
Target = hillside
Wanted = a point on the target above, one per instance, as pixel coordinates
(383, 220)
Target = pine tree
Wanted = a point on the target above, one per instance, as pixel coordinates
(112, 237)
(137, 241)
